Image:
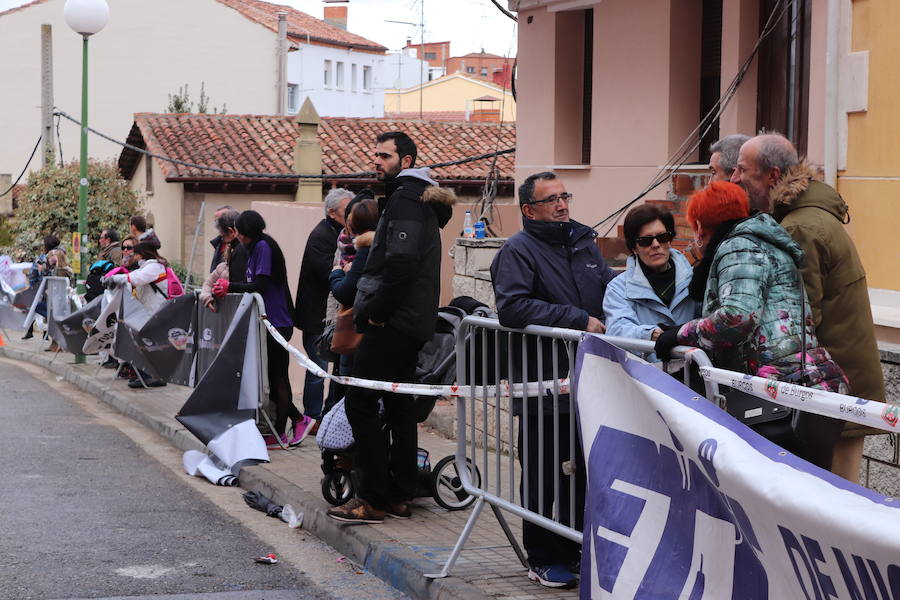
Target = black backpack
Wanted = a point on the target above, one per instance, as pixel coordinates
(93, 283)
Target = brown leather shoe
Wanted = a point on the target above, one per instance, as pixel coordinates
(356, 510)
(400, 510)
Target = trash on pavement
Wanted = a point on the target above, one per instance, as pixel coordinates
(268, 559)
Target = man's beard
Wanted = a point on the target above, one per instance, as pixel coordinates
(385, 175)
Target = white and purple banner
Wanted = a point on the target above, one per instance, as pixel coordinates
(686, 503)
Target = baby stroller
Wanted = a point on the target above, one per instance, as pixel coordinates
(436, 365)
(335, 438)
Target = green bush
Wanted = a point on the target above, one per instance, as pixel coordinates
(49, 205)
(6, 235)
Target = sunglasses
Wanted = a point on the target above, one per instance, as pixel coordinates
(646, 241)
(127, 248)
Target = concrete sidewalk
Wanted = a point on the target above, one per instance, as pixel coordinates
(399, 552)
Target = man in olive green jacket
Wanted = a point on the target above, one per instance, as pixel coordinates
(814, 214)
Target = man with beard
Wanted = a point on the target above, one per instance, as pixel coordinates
(395, 309)
(778, 182)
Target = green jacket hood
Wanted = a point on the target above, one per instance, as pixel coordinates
(765, 228)
(788, 194)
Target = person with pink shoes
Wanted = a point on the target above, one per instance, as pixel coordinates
(267, 276)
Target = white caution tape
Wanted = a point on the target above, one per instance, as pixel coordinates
(532, 389)
(830, 404)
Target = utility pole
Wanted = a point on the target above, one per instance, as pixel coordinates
(421, 63)
(47, 92)
(281, 54)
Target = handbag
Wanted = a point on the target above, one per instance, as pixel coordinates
(773, 421)
(346, 339)
(323, 344)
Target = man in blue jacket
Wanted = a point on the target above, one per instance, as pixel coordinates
(550, 273)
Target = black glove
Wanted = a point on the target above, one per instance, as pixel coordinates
(667, 340)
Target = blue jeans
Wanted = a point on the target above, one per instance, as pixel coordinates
(313, 386)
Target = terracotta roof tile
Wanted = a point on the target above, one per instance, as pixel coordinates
(265, 144)
(300, 24)
(22, 7)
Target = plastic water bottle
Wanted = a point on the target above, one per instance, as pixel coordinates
(479, 229)
(468, 230)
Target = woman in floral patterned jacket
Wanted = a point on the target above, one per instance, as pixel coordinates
(749, 284)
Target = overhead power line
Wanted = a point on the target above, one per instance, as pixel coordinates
(288, 176)
(22, 174)
(505, 12)
(691, 143)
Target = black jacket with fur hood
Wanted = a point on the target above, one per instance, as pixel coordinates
(401, 285)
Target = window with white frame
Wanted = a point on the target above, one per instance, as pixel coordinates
(328, 73)
(353, 77)
(367, 79)
(339, 75)
(293, 97)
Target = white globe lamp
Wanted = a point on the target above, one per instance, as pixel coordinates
(86, 17)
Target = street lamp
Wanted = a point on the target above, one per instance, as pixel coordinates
(85, 17)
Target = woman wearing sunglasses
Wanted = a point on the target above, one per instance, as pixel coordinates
(653, 290)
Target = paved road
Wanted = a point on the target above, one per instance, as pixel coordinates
(88, 513)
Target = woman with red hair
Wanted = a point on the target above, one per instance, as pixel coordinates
(749, 285)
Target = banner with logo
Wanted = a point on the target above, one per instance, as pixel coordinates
(164, 346)
(71, 331)
(211, 330)
(221, 410)
(684, 502)
(102, 334)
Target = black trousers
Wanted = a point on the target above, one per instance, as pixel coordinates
(385, 456)
(542, 546)
(279, 383)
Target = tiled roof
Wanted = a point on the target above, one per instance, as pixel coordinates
(24, 6)
(434, 115)
(300, 24)
(481, 55)
(265, 144)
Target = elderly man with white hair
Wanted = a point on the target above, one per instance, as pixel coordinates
(313, 290)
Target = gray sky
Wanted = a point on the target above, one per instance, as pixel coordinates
(469, 24)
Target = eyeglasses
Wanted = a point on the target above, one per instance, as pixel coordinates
(646, 241)
(554, 199)
(124, 248)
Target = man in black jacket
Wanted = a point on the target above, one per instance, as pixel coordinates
(396, 309)
(313, 290)
(550, 273)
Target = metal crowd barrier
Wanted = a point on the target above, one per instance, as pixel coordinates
(489, 355)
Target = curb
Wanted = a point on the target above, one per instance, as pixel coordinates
(385, 558)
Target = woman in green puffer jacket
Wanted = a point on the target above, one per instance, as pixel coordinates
(749, 284)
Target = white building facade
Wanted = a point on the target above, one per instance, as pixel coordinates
(341, 82)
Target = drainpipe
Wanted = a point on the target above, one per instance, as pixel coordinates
(281, 54)
(832, 77)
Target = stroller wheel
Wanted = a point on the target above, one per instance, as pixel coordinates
(447, 488)
(337, 487)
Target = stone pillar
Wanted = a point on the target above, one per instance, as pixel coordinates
(308, 154)
(472, 262)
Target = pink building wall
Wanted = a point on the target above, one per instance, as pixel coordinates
(645, 92)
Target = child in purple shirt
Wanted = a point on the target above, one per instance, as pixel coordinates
(267, 276)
